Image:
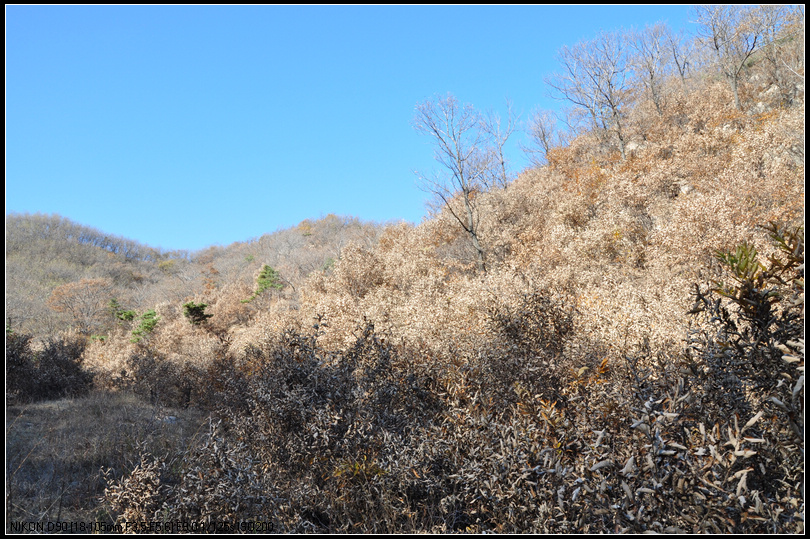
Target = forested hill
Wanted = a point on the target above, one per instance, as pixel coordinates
(44, 252)
(59, 237)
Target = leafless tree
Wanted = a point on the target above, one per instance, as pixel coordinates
(85, 300)
(680, 51)
(794, 60)
(594, 78)
(770, 20)
(782, 33)
(543, 135)
(650, 60)
(499, 132)
(470, 149)
(731, 34)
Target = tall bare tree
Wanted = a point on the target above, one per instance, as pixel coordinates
(680, 51)
(770, 19)
(793, 57)
(594, 78)
(782, 34)
(499, 131)
(470, 149)
(731, 33)
(650, 60)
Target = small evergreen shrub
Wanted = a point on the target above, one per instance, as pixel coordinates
(149, 320)
(268, 279)
(121, 314)
(195, 312)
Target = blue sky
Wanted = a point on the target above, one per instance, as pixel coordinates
(184, 127)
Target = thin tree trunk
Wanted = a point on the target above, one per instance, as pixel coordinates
(734, 89)
(471, 229)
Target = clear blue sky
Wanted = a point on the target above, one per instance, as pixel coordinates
(184, 127)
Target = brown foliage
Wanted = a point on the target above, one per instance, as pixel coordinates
(85, 300)
(54, 370)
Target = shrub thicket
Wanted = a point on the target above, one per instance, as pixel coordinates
(53, 370)
(530, 435)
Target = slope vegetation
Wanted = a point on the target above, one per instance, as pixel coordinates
(631, 360)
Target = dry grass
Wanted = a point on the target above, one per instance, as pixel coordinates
(55, 451)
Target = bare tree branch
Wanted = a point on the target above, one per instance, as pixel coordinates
(594, 78)
(499, 134)
(730, 33)
(650, 60)
(543, 134)
(470, 149)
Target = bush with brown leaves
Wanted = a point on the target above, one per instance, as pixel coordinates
(53, 370)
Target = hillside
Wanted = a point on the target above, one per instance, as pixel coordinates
(46, 252)
(630, 358)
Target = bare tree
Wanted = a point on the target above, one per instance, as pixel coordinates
(499, 133)
(680, 50)
(573, 84)
(650, 60)
(793, 57)
(85, 300)
(770, 19)
(470, 149)
(543, 134)
(594, 78)
(782, 33)
(730, 33)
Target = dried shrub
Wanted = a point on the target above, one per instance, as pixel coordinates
(53, 370)
(20, 369)
(536, 435)
(216, 483)
(136, 498)
(748, 332)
